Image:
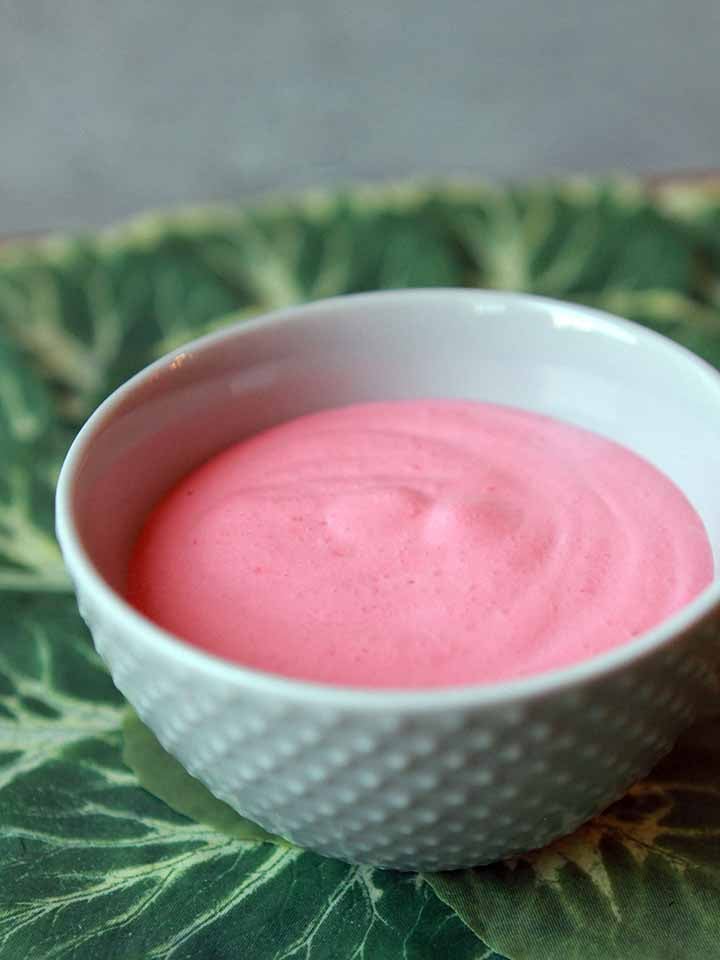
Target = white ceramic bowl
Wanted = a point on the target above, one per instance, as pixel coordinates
(408, 779)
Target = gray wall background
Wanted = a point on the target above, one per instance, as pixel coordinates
(111, 106)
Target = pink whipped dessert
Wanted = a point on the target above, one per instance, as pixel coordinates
(418, 544)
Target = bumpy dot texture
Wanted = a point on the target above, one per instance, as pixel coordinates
(412, 788)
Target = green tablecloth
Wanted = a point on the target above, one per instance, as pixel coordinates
(94, 866)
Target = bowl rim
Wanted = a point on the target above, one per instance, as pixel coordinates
(124, 616)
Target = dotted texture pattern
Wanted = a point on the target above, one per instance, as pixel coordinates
(414, 788)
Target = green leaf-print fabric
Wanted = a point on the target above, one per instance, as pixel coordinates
(641, 881)
(91, 864)
(29, 450)
(646, 869)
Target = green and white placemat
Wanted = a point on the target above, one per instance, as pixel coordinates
(92, 864)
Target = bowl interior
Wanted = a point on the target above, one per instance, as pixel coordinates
(585, 367)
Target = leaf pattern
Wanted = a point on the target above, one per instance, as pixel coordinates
(641, 880)
(93, 865)
(602, 893)
(29, 556)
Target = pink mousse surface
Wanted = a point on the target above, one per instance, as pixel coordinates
(418, 544)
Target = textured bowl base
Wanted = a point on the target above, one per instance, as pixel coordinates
(437, 791)
(422, 780)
